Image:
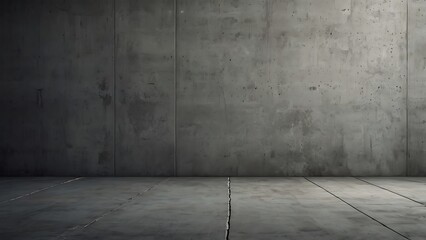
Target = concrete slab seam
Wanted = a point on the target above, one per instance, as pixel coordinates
(65, 234)
(410, 180)
(360, 179)
(228, 220)
(39, 190)
(175, 88)
(114, 89)
(357, 209)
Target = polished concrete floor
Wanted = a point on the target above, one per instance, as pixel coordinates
(212, 208)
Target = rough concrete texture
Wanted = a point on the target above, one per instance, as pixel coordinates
(196, 208)
(291, 87)
(145, 87)
(416, 88)
(264, 87)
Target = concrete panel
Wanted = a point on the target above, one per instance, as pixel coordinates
(21, 123)
(145, 87)
(293, 209)
(398, 213)
(291, 87)
(417, 86)
(62, 210)
(178, 209)
(57, 87)
(77, 71)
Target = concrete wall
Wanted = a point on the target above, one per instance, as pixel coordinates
(145, 87)
(258, 87)
(416, 161)
(291, 87)
(56, 87)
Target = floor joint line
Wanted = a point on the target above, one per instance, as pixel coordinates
(357, 209)
(410, 180)
(39, 190)
(360, 179)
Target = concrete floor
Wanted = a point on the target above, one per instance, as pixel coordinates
(202, 208)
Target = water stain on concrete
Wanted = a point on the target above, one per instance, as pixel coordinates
(103, 85)
(103, 158)
(106, 99)
(299, 117)
(141, 114)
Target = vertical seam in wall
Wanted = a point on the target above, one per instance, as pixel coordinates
(114, 88)
(175, 88)
(407, 154)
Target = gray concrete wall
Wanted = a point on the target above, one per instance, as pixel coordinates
(291, 87)
(21, 127)
(258, 87)
(57, 87)
(145, 87)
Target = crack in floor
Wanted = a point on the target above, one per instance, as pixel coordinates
(40, 190)
(360, 179)
(228, 220)
(359, 210)
(65, 234)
